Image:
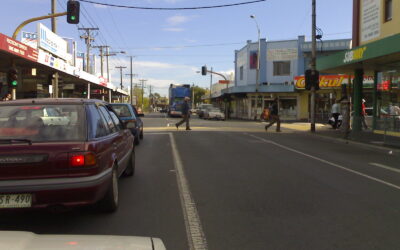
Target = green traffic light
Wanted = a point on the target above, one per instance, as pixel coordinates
(84, 92)
(73, 18)
(14, 83)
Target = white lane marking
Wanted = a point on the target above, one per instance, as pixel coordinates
(156, 133)
(328, 162)
(194, 230)
(385, 167)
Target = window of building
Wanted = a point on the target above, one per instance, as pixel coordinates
(282, 68)
(241, 73)
(388, 10)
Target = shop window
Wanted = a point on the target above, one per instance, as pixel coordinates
(241, 73)
(388, 10)
(282, 68)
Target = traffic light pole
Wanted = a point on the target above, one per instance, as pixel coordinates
(313, 66)
(18, 29)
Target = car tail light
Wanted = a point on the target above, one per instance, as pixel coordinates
(130, 123)
(82, 159)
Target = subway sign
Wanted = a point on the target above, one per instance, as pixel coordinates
(354, 55)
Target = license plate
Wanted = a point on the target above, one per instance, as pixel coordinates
(15, 200)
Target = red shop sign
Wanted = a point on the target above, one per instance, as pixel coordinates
(17, 48)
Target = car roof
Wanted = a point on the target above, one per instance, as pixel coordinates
(52, 101)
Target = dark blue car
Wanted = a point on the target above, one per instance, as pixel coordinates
(128, 114)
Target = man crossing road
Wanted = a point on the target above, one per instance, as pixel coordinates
(274, 116)
(185, 114)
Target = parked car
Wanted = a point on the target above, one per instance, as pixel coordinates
(214, 113)
(128, 115)
(22, 240)
(163, 110)
(202, 108)
(77, 164)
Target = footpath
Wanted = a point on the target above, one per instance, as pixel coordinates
(364, 138)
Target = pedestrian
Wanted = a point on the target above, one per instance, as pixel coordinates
(8, 97)
(185, 114)
(335, 113)
(274, 116)
(363, 114)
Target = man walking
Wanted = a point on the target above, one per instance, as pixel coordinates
(363, 114)
(274, 116)
(335, 113)
(185, 114)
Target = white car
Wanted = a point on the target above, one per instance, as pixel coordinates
(214, 113)
(19, 240)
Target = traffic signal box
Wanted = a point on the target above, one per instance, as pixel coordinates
(312, 79)
(73, 8)
(204, 70)
(12, 78)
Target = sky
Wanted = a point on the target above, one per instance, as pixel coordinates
(171, 46)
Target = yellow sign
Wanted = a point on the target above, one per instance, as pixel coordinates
(328, 81)
(354, 55)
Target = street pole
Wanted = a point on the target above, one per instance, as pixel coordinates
(192, 95)
(313, 65)
(108, 67)
(101, 49)
(120, 69)
(211, 85)
(131, 81)
(258, 63)
(53, 19)
(88, 39)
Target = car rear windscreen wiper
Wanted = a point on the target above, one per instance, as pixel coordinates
(10, 141)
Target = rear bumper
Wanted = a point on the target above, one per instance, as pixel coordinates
(61, 191)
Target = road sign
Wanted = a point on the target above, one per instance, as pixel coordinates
(223, 81)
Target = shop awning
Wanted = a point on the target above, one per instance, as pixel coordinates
(378, 55)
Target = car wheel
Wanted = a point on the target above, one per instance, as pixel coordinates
(130, 169)
(110, 201)
(136, 140)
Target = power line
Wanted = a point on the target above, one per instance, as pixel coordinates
(185, 46)
(182, 8)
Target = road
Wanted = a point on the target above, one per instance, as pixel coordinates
(231, 185)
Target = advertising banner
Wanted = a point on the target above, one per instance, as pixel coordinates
(370, 19)
(282, 54)
(17, 48)
(29, 38)
(253, 60)
(51, 42)
(332, 81)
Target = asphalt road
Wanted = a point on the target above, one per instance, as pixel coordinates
(249, 190)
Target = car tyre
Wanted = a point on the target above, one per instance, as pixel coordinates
(136, 140)
(130, 169)
(141, 135)
(110, 201)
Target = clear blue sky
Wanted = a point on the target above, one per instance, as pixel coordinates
(169, 46)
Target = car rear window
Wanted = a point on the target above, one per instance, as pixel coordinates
(43, 123)
(121, 110)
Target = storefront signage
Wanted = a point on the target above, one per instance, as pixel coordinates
(332, 81)
(354, 55)
(54, 62)
(29, 38)
(370, 19)
(102, 81)
(51, 42)
(17, 48)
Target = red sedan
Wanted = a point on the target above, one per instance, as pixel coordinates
(67, 152)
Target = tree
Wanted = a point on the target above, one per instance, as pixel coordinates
(198, 93)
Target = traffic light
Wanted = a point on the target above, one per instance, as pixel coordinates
(73, 12)
(204, 70)
(12, 78)
(312, 79)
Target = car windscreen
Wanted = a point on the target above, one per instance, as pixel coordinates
(122, 110)
(42, 123)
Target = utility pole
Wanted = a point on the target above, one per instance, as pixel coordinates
(53, 19)
(131, 75)
(101, 48)
(192, 95)
(120, 69)
(211, 84)
(142, 82)
(313, 65)
(88, 40)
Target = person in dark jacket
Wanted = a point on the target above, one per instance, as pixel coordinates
(274, 116)
(185, 114)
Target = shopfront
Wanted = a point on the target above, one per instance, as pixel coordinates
(381, 59)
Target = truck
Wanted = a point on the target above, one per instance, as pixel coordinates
(177, 94)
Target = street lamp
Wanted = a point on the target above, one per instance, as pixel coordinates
(114, 53)
(258, 61)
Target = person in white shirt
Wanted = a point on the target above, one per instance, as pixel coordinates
(335, 113)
